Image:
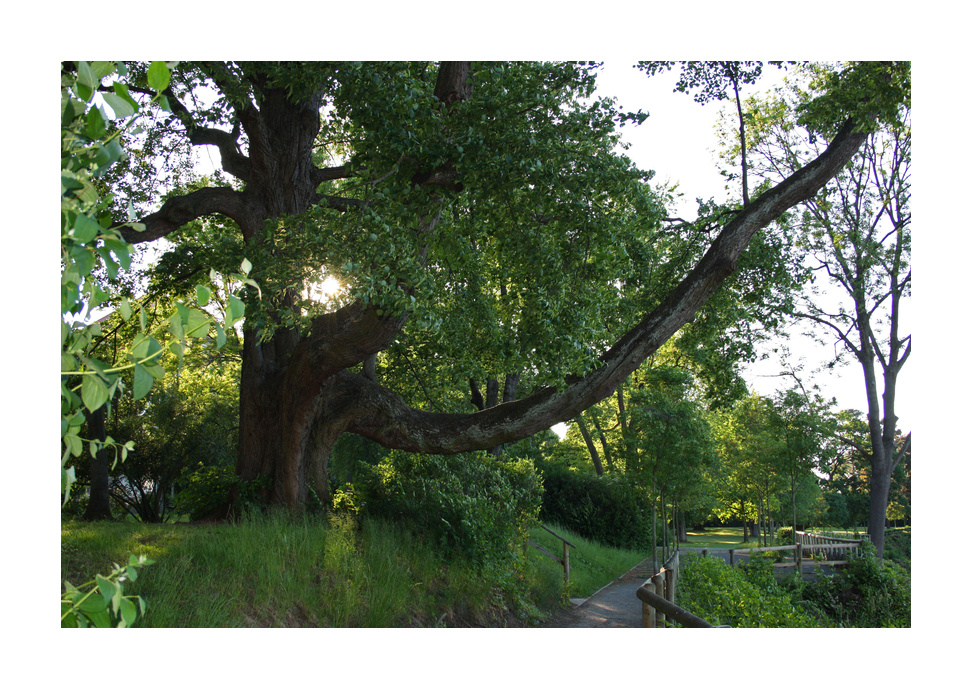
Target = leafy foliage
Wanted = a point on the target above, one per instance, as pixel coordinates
(870, 592)
(102, 603)
(610, 509)
(469, 503)
(92, 248)
(738, 597)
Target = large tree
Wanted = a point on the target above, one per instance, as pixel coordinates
(856, 235)
(476, 213)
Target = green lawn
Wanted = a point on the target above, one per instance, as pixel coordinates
(718, 537)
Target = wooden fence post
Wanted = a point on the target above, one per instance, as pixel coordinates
(799, 559)
(732, 556)
(566, 564)
(658, 581)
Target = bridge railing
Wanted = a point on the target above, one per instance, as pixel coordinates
(833, 551)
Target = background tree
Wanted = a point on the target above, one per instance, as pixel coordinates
(473, 210)
(857, 236)
(802, 423)
(667, 446)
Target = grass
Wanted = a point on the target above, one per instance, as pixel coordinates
(281, 571)
(592, 565)
(718, 537)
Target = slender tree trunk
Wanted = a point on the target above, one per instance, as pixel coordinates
(598, 467)
(880, 487)
(604, 443)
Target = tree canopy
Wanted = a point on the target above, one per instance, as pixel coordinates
(479, 217)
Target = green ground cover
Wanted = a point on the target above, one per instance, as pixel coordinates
(315, 572)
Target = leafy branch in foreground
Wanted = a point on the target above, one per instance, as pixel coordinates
(92, 246)
(101, 602)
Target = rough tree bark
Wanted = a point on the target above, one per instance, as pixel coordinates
(297, 394)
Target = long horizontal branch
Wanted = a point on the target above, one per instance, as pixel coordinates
(384, 417)
(179, 210)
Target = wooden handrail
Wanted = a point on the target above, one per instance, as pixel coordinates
(670, 610)
(565, 561)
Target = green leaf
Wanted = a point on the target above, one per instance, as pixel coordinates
(106, 587)
(177, 348)
(85, 228)
(121, 250)
(246, 267)
(175, 326)
(121, 107)
(143, 382)
(95, 126)
(197, 325)
(128, 613)
(158, 76)
(203, 294)
(236, 309)
(94, 393)
(220, 335)
(126, 309)
(87, 76)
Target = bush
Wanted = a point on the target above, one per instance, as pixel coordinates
(738, 597)
(471, 503)
(868, 593)
(608, 509)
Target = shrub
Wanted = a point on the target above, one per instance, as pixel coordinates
(470, 502)
(868, 593)
(738, 597)
(608, 509)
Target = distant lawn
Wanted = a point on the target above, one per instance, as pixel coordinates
(717, 537)
(731, 536)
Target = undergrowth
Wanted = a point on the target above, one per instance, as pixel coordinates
(276, 570)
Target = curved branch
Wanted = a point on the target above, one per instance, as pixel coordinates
(383, 416)
(180, 210)
(231, 159)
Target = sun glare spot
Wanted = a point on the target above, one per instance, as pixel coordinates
(326, 291)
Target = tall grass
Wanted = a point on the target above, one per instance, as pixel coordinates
(277, 570)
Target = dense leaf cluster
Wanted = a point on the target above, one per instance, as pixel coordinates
(468, 503)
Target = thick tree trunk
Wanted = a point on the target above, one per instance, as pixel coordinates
(99, 499)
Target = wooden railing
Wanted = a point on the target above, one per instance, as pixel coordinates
(565, 560)
(657, 596)
(835, 551)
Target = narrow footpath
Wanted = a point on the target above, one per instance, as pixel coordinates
(617, 604)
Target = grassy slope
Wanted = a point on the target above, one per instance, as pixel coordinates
(279, 571)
